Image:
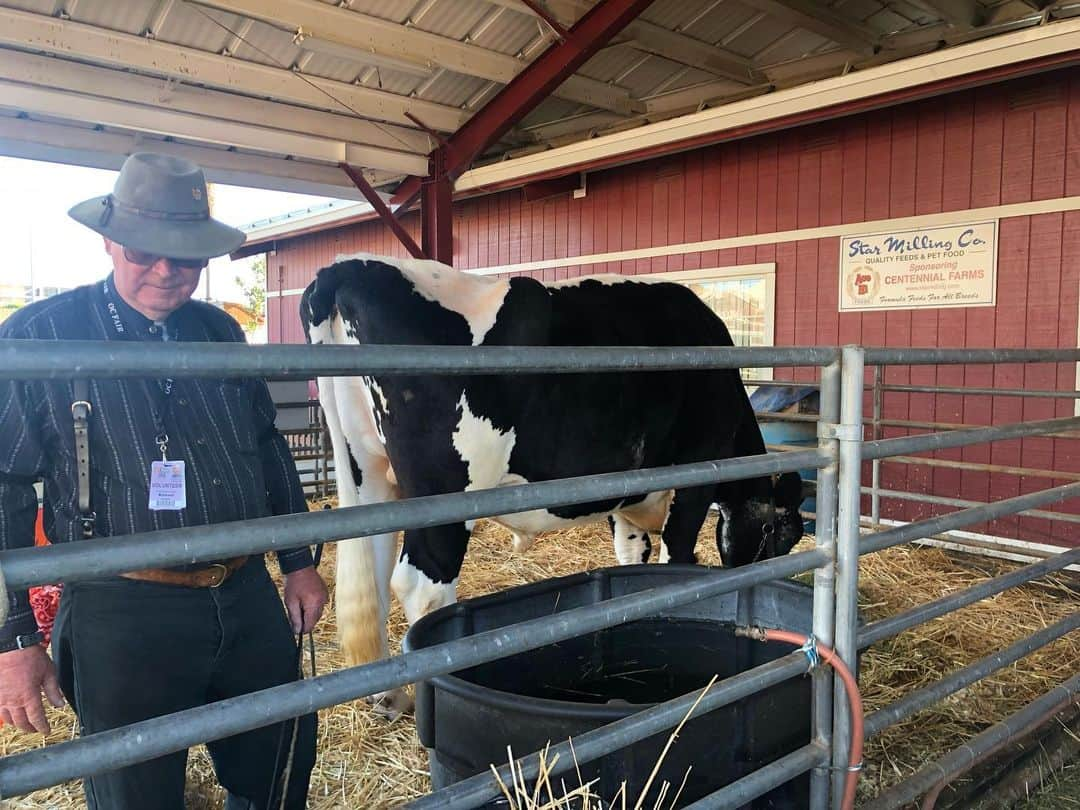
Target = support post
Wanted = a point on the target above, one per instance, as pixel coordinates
(875, 483)
(825, 577)
(850, 434)
(436, 211)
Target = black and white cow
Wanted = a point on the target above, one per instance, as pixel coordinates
(409, 436)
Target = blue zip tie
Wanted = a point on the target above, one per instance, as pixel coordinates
(810, 648)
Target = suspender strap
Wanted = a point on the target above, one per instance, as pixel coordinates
(80, 414)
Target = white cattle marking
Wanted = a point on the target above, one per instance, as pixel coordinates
(475, 298)
(484, 449)
(630, 544)
(418, 594)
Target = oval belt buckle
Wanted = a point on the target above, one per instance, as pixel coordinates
(220, 577)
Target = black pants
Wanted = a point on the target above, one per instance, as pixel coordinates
(127, 651)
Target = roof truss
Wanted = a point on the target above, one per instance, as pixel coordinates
(81, 41)
(47, 86)
(821, 20)
(60, 143)
(312, 22)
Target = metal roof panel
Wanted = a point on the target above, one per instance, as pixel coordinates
(36, 6)
(452, 89)
(888, 21)
(756, 40)
(674, 14)
(507, 33)
(396, 10)
(123, 15)
(551, 109)
(454, 18)
(722, 22)
(795, 44)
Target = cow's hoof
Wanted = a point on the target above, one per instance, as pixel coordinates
(523, 542)
(391, 705)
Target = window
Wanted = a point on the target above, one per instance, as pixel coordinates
(744, 296)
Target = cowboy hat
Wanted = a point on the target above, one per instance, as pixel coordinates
(159, 205)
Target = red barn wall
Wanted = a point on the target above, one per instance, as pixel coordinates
(1014, 142)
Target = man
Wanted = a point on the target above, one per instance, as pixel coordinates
(162, 453)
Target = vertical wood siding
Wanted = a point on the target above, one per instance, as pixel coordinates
(1009, 143)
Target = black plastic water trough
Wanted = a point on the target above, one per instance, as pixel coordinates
(466, 720)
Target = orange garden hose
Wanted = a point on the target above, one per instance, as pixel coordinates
(851, 686)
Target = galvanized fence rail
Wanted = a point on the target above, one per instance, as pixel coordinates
(834, 560)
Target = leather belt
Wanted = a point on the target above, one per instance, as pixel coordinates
(210, 577)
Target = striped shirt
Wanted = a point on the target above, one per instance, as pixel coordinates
(237, 465)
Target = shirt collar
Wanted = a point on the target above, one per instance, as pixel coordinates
(137, 323)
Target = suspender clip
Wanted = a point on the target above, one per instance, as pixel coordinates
(88, 522)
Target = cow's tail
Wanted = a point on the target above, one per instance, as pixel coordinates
(361, 624)
(319, 301)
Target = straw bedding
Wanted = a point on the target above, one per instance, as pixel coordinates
(366, 763)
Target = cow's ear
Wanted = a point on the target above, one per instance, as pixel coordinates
(788, 490)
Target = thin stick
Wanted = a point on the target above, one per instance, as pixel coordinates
(670, 742)
(541, 777)
(519, 779)
(686, 776)
(663, 792)
(503, 788)
(577, 769)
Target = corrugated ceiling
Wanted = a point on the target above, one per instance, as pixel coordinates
(721, 47)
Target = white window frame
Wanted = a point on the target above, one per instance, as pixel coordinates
(765, 270)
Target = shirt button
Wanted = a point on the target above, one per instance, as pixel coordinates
(181, 401)
(216, 482)
(200, 441)
(153, 330)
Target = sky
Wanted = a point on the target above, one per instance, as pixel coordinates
(45, 247)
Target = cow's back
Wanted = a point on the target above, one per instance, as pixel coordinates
(581, 424)
(621, 312)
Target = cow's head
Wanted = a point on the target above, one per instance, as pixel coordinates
(765, 525)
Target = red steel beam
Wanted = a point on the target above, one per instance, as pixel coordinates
(385, 214)
(531, 86)
(435, 135)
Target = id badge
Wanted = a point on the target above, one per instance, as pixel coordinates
(167, 485)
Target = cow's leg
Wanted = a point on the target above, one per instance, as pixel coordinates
(522, 541)
(631, 543)
(426, 576)
(685, 517)
(364, 564)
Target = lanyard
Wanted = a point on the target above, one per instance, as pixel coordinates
(160, 394)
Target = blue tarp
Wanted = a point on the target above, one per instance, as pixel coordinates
(772, 399)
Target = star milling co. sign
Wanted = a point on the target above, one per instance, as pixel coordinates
(931, 268)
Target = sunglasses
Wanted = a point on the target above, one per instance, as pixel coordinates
(143, 259)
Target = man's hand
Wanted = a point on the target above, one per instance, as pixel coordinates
(305, 598)
(24, 675)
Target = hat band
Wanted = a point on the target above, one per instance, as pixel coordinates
(109, 203)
